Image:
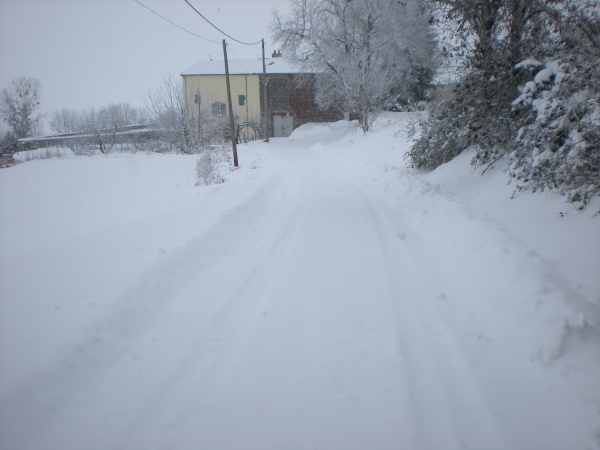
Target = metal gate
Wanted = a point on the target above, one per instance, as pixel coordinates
(282, 125)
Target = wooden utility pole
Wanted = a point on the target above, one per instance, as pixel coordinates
(198, 101)
(265, 107)
(231, 121)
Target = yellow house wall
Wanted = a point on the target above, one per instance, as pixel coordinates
(213, 89)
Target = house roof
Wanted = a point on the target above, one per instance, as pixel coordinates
(240, 67)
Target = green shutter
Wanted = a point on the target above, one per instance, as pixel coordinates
(241, 100)
(214, 109)
(224, 108)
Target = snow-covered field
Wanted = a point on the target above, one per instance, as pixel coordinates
(324, 297)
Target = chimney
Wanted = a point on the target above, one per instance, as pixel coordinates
(276, 54)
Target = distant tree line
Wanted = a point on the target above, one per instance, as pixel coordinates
(97, 128)
(165, 114)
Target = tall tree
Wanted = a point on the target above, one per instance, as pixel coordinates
(65, 121)
(368, 52)
(18, 104)
(170, 116)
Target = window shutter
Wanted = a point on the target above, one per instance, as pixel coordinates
(224, 109)
(214, 109)
(241, 100)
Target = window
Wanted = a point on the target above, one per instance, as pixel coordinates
(218, 109)
(241, 100)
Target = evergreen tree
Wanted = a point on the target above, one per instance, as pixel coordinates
(530, 90)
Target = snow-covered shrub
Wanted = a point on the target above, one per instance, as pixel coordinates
(476, 114)
(542, 110)
(442, 137)
(208, 168)
(9, 143)
(561, 148)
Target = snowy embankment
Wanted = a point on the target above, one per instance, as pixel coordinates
(323, 297)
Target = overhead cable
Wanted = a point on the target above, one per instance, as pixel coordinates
(173, 23)
(235, 57)
(219, 30)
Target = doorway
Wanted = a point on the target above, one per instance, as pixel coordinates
(283, 125)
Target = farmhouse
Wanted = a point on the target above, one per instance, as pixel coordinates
(290, 95)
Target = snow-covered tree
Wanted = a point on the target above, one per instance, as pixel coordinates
(65, 121)
(18, 104)
(123, 114)
(559, 147)
(169, 114)
(488, 37)
(368, 52)
(100, 125)
(530, 90)
(96, 125)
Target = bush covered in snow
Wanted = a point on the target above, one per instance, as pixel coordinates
(211, 164)
(560, 149)
(463, 118)
(9, 143)
(530, 89)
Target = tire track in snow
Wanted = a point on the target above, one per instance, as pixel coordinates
(215, 341)
(319, 368)
(507, 311)
(449, 407)
(267, 322)
(135, 341)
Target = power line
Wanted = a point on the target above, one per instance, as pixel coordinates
(218, 29)
(173, 23)
(238, 60)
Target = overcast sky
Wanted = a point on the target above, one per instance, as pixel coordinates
(89, 53)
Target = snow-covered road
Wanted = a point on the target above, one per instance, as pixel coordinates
(316, 313)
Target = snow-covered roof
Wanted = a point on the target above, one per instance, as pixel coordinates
(240, 67)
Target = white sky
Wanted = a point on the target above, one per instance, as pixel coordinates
(89, 53)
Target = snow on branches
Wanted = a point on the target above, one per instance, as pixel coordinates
(368, 53)
(560, 149)
(531, 91)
